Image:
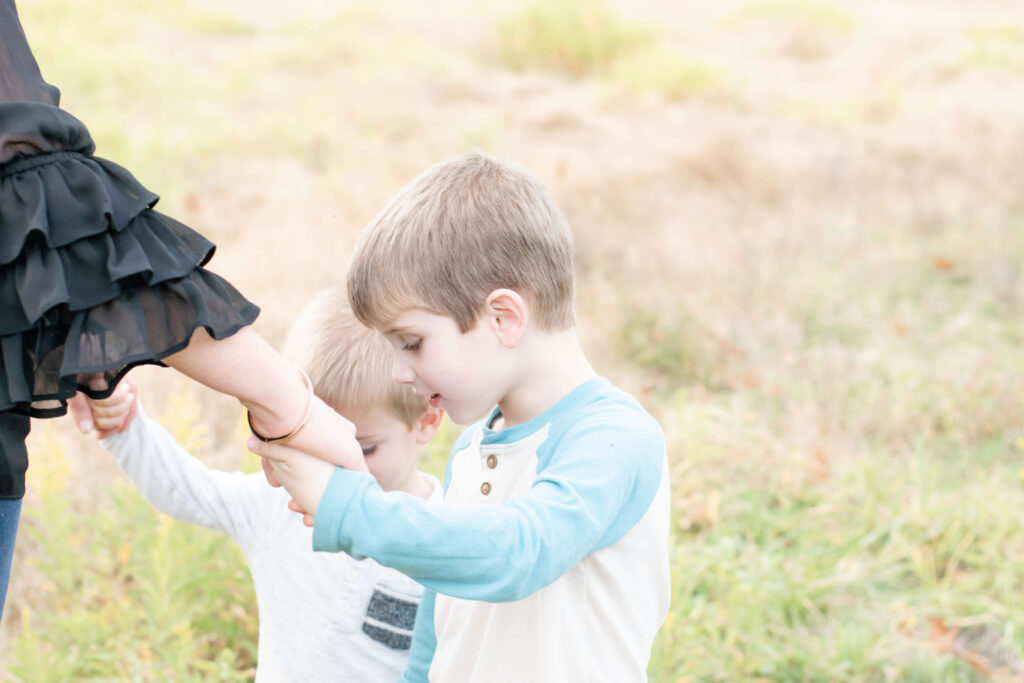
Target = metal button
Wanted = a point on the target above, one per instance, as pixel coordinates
(492, 461)
(485, 488)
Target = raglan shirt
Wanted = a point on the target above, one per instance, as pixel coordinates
(323, 616)
(547, 560)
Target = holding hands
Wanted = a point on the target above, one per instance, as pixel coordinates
(304, 476)
(287, 463)
(106, 415)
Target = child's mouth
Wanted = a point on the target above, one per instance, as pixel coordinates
(434, 400)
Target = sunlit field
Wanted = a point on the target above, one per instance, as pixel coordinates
(799, 240)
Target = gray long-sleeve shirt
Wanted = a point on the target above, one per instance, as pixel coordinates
(323, 616)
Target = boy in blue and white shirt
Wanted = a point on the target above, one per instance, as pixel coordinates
(548, 560)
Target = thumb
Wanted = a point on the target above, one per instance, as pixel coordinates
(81, 413)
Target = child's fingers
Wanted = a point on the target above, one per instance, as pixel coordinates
(269, 451)
(81, 412)
(109, 415)
(117, 396)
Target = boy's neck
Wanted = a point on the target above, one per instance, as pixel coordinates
(553, 364)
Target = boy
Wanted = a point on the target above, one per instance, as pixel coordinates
(549, 558)
(323, 617)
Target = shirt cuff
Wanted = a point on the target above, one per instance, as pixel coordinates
(343, 490)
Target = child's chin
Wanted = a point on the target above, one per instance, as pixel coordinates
(464, 415)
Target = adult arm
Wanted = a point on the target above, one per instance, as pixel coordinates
(245, 366)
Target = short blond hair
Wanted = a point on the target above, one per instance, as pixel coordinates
(348, 363)
(460, 230)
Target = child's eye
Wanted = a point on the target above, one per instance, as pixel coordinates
(412, 346)
(369, 450)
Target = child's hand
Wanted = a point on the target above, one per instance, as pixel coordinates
(107, 415)
(304, 476)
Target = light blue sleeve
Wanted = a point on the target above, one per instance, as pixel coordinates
(600, 483)
(424, 642)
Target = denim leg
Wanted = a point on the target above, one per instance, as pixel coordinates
(10, 513)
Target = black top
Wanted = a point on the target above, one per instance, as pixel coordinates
(92, 280)
(21, 81)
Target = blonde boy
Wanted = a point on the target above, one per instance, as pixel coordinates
(549, 558)
(323, 616)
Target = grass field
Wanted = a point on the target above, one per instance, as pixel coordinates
(800, 240)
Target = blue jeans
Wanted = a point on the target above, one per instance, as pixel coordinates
(10, 513)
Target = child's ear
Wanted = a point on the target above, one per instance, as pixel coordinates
(429, 423)
(508, 315)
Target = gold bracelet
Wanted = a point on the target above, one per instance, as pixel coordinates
(302, 423)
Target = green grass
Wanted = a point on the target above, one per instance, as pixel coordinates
(839, 581)
(677, 77)
(574, 37)
(841, 398)
(819, 14)
(130, 594)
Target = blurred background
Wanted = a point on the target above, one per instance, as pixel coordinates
(800, 241)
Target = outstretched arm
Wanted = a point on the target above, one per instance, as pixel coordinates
(245, 366)
(176, 483)
(597, 490)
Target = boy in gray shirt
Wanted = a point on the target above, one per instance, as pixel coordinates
(323, 616)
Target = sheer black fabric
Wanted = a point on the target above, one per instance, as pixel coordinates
(93, 281)
(20, 81)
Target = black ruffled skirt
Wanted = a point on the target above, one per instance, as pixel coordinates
(93, 281)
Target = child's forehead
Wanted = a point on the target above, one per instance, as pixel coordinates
(368, 416)
(411, 318)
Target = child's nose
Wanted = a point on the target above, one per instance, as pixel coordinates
(402, 373)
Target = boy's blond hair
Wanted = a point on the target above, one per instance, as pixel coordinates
(349, 364)
(457, 232)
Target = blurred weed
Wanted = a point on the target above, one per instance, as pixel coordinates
(574, 37)
(658, 69)
(672, 350)
(814, 13)
(803, 29)
(437, 451)
(907, 566)
(997, 47)
(212, 22)
(129, 593)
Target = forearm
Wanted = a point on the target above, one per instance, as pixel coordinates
(491, 553)
(245, 366)
(176, 483)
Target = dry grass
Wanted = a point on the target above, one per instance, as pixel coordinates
(807, 259)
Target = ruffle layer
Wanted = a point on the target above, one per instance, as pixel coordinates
(91, 350)
(61, 197)
(92, 280)
(152, 249)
